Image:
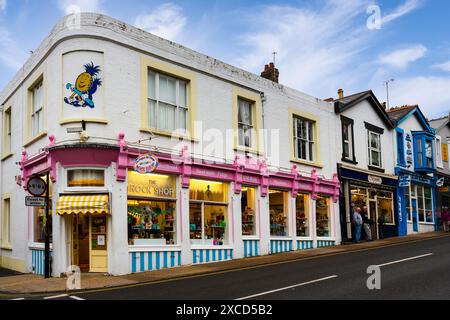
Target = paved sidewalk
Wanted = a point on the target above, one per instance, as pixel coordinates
(33, 284)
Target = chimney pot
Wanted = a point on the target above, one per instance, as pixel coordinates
(270, 72)
(341, 93)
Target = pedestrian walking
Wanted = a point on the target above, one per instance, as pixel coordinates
(358, 221)
(445, 217)
(366, 224)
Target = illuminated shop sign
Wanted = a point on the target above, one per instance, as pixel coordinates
(147, 163)
(151, 185)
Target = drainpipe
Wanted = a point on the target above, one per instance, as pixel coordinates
(263, 100)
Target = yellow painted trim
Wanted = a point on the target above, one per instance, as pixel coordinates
(171, 70)
(169, 134)
(36, 138)
(255, 98)
(4, 243)
(40, 77)
(88, 120)
(6, 156)
(5, 111)
(295, 112)
(13, 264)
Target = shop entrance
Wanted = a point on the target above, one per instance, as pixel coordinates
(373, 215)
(89, 249)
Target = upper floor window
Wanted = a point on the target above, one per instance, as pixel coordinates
(424, 157)
(37, 107)
(7, 237)
(439, 158)
(167, 102)
(245, 123)
(348, 145)
(374, 149)
(85, 178)
(400, 148)
(7, 132)
(304, 139)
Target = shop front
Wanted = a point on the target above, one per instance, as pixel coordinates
(442, 196)
(374, 193)
(417, 200)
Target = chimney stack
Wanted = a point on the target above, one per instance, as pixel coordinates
(270, 72)
(341, 93)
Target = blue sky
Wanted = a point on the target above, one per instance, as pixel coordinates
(322, 45)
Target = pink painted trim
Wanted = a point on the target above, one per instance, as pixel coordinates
(181, 215)
(232, 217)
(28, 223)
(259, 219)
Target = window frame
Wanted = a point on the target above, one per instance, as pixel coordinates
(85, 189)
(373, 149)
(7, 133)
(351, 157)
(37, 111)
(256, 231)
(308, 216)
(6, 222)
(400, 142)
(421, 159)
(310, 142)
(172, 71)
(245, 126)
(439, 155)
(158, 101)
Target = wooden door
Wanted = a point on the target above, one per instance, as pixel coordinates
(98, 241)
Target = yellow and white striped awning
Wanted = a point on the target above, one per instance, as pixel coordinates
(97, 204)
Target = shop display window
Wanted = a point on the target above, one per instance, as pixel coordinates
(39, 224)
(248, 207)
(424, 203)
(86, 178)
(208, 212)
(151, 222)
(278, 209)
(359, 197)
(408, 204)
(323, 218)
(302, 215)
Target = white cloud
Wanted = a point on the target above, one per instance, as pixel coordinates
(443, 66)
(3, 5)
(77, 6)
(430, 92)
(10, 53)
(166, 21)
(401, 58)
(407, 7)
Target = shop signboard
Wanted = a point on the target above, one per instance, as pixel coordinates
(444, 189)
(34, 202)
(147, 163)
(404, 181)
(375, 179)
(153, 185)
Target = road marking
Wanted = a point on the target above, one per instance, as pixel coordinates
(56, 297)
(17, 299)
(76, 298)
(404, 260)
(287, 288)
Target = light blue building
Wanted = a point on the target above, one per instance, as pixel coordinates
(416, 169)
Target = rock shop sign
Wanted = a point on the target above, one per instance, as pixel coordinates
(151, 185)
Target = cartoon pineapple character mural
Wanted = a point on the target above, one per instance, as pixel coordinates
(85, 87)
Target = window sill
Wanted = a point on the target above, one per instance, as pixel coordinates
(34, 139)
(249, 150)
(134, 248)
(250, 238)
(169, 134)
(349, 161)
(380, 170)
(7, 247)
(308, 163)
(91, 120)
(208, 246)
(6, 156)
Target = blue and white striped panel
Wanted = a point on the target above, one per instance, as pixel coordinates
(251, 248)
(38, 261)
(279, 246)
(211, 255)
(305, 244)
(323, 243)
(154, 260)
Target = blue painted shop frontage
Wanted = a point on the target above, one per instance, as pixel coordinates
(417, 202)
(377, 193)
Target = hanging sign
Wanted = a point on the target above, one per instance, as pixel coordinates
(147, 163)
(36, 186)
